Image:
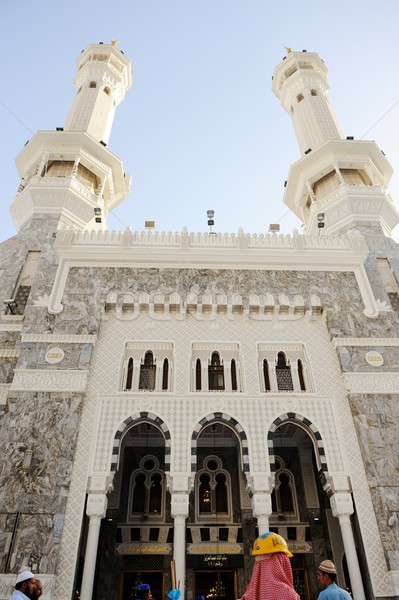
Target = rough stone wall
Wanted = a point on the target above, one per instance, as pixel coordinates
(47, 423)
(376, 420)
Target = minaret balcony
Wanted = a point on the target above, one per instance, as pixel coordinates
(350, 206)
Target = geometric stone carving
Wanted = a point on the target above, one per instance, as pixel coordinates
(372, 383)
(49, 381)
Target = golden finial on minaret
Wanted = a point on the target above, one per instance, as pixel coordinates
(289, 50)
(114, 42)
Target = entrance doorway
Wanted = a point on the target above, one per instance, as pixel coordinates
(131, 579)
(216, 585)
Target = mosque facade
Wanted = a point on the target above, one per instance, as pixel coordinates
(166, 398)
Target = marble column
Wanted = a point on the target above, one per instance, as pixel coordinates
(262, 509)
(179, 510)
(342, 508)
(96, 509)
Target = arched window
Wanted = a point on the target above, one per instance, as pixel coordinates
(129, 378)
(313, 92)
(283, 374)
(155, 500)
(266, 378)
(147, 490)
(93, 84)
(165, 374)
(198, 375)
(221, 493)
(138, 505)
(147, 372)
(107, 90)
(299, 97)
(215, 373)
(300, 375)
(284, 499)
(213, 489)
(205, 494)
(233, 375)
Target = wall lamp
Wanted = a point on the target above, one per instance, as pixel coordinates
(11, 305)
(320, 219)
(27, 461)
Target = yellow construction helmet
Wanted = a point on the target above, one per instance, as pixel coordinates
(268, 543)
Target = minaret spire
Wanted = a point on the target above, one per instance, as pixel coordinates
(68, 174)
(339, 182)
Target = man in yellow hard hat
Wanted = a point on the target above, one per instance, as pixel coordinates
(272, 574)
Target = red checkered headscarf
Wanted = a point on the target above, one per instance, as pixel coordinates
(271, 579)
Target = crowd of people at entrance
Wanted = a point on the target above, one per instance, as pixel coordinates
(271, 579)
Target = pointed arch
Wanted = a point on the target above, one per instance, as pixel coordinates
(225, 420)
(309, 428)
(127, 424)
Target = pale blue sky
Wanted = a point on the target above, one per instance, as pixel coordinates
(200, 129)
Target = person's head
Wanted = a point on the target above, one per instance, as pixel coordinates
(25, 583)
(38, 589)
(270, 543)
(326, 573)
(144, 591)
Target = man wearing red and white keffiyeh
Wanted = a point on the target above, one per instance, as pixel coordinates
(272, 575)
(271, 579)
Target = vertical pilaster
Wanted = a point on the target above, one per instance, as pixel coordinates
(342, 508)
(179, 510)
(96, 509)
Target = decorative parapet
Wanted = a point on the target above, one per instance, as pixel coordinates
(131, 239)
(49, 381)
(372, 383)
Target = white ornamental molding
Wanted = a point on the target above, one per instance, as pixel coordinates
(369, 342)
(9, 353)
(49, 381)
(372, 383)
(58, 339)
(4, 387)
(11, 326)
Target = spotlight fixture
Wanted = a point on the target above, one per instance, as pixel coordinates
(97, 214)
(210, 214)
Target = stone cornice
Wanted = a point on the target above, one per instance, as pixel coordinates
(58, 338)
(372, 342)
(204, 251)
(372, 383)
(49, 380)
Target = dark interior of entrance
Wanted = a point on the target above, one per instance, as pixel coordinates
(130, 581)
(215, 585)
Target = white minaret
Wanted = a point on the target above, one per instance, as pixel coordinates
(339, 183)
(103, 77)
(301, 85)
(68, 174)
